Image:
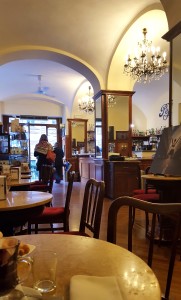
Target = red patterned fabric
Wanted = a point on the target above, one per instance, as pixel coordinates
(148, 197)
(142, 191)
(49, 215)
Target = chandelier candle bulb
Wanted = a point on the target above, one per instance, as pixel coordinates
(147, 63)
(86, 103)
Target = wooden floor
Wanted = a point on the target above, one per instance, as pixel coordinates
(140, 242)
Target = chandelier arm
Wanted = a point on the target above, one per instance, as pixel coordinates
(86, 103)
(148, 65)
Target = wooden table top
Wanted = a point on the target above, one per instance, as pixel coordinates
(22, 182)
(87, 256)
(17, 200)
(26, 176)
(161, 177)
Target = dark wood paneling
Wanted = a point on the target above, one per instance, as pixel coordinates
(121, 178)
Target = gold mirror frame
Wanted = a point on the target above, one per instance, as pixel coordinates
(103, 98)
(71, 123)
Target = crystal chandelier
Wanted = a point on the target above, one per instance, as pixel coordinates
(147, 64)
(86, 103)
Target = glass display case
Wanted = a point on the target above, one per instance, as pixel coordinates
(19, 148)
(4, 143)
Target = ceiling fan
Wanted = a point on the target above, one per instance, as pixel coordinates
(41, 90)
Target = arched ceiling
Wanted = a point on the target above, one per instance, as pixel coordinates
(67, 42)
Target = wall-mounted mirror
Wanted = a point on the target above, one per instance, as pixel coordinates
(98, 128)
(118, 123)
(174, 37)
(77, 136)
(176, 76)
(113, 112)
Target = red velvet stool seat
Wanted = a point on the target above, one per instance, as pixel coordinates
(149, 188)
(143, 191)
(51, 215)
(149, 197)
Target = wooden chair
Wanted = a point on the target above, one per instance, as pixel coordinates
(91, 209)
(45, 184)
(149, 194)
(172, 210)
(149, 189)
(51, 215)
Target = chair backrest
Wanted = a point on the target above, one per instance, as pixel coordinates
(92, 207)
(67, 201)
(47, 176)
(148, 185)
(170, 210)
(46, 173)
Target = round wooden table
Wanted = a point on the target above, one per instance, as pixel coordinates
(87, 256)
(21, 184)
(169, 187)
(26, 176)
(19, 206)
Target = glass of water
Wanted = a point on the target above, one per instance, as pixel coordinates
(44, 271)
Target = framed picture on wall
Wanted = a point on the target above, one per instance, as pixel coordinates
(121, 135)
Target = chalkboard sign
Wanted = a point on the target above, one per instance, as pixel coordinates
(167, 160)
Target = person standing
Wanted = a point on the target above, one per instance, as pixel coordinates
(40, 152)
(58, 162)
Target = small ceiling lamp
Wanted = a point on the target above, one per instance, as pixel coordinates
(86, 103)
(147, 64)
(111, 101)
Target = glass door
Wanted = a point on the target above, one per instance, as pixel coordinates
(35, 132)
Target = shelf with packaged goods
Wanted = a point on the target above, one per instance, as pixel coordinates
(19, 147)
(90, 135)
(146, 142)
(91, 141)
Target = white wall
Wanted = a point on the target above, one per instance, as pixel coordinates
(30, 105)
(147, 102)
(176, 103)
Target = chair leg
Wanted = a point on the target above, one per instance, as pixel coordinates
(36, 228)
(146, 223)
(133, 215)
(172, 258)
(52, 229)
(151, 245)
(29, 228)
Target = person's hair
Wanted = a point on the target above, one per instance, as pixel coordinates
(43, 137)
(57, 145)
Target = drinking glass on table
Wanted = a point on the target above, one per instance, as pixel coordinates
(13, 269)
(8, 180)
(44, 271)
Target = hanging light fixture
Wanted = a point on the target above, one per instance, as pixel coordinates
(86, 103)
(147, 64)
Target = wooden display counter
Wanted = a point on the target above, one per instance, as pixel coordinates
(145, 163)
(90, 167)
(121, 178)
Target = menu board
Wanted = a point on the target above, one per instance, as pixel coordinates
(15, 173)
(167, 160)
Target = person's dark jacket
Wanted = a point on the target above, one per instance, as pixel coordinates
(59, 157)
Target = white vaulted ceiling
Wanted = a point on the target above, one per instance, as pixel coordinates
(65, 41)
